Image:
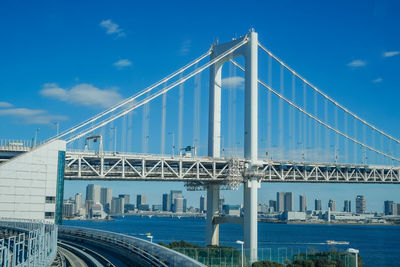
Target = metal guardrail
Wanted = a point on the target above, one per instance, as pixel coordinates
(151, 252)
(27, 242)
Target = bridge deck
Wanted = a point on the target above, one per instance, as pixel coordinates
(205, 170)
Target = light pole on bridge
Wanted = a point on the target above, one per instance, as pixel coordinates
(173, 143)
(36, 136)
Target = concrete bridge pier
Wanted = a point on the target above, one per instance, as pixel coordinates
(212, 228)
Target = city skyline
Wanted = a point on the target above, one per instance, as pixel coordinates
(310, 203)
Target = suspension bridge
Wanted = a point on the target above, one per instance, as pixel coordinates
(265, 123)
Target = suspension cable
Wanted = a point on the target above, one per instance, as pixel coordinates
(316, 119)
(326, 96)
(132, 98)
(158, 93)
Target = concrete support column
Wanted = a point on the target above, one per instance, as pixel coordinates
(214, 147)
(250, 195)
(251, 146)
(212, 229)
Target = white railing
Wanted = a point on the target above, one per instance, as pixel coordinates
(27, 242)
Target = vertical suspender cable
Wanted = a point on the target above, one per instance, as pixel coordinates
(163, 121)
(180, 116)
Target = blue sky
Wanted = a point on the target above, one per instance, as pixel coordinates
(63, 61)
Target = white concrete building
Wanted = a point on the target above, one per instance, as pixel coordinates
(31, 184)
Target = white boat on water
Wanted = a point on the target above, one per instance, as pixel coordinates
(333, 242)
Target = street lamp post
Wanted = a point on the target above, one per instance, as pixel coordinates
(57, 124)
(241, 243)
(173, 143)
(36, 136)
(151, 238)
(354, 251)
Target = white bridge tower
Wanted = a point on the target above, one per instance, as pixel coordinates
(251, 185)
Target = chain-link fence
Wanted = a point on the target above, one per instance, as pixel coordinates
(221, 257)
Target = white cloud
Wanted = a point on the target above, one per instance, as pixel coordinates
(32, 116)
(233, 82)
(377, 80)
(391, 53)
(112, 28)
(356, 63)
(83, 94)
(185, 48)
(5, 105)
(122, 63)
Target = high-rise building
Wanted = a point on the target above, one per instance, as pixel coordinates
(140, 200)
(203, 204)
(332, 205)
(303, 203)
(361, 205)
(126, 197)
(347, 206)
(280, 201)
(166, 204)
(288, 206)
(105, 196)
(88, 205)
(174, 194)
(117, 205)
(178, 205)
(395, 209)
(388, 207)
(69, 209)
(93, 192)
(184, 205)
(78, 201)
(318, 204)
(272, 204)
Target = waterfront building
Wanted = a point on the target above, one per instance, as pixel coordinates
(78, 201)
(144, 207)
(184, 205)
(280, 201)
(303, 203)
(361, 206)
(93, 192)
(117, 205)
(88, 207)
(178, 205)
(203, 204)
(231, 210)
(129, 208)
(156, 208)
(332, 205)
(388, 207)
(272, 205)
(288, 205)
(97, 211)
(140, 200)
(69, 209)
(395, 209)
(318, 204)
(126, 198)
(347, 206)
(105, 196)
(173, 195)
(293, 216)
(166, 202)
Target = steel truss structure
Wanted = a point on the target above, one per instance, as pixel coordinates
(199, 172)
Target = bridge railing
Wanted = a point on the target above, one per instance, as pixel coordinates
(27, 242)
(149, 250)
